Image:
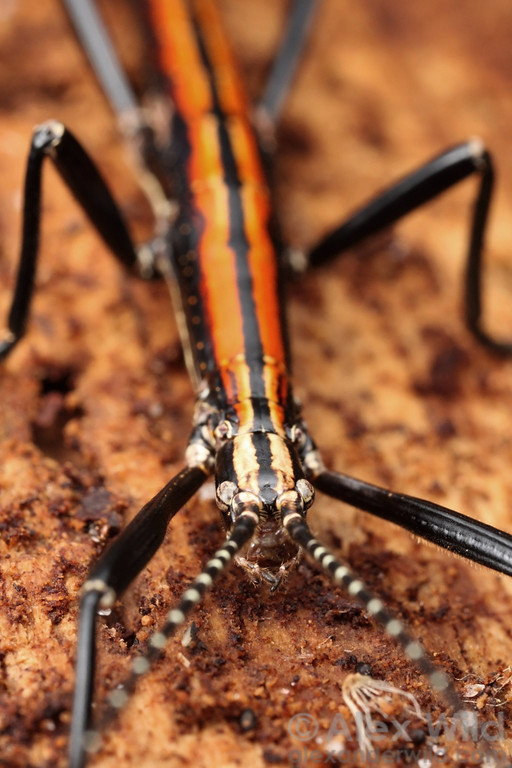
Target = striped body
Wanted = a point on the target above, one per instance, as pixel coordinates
(225, 259)
(227, 270)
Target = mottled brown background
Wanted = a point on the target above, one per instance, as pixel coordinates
(394, 390)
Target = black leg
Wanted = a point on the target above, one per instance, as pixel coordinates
(469, 538)
(96, 42)
(109, 577)
(411, 192)
(53, 140)
(284, 66)
(132, 119)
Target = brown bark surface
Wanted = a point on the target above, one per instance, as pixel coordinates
(96, 404)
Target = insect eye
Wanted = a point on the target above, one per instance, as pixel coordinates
(224, 431)
(297, 436)
(225, 493)
(306, 491)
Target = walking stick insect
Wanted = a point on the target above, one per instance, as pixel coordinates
(504, 539)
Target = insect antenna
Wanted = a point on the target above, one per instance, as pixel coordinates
(342, 576)
(241, 533)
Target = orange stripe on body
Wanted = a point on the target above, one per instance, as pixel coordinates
(181, 60)
(248, 160)
(218, 279)
(274, 374)
(254, 194)
(229, 86)
(263, 267)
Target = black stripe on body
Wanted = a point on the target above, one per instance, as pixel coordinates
(238, 242)
(267, 478)
(184, 252)
(246, 461)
